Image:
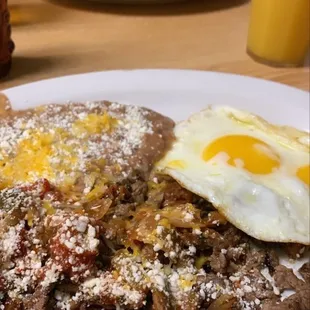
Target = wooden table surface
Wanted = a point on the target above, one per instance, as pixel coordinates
(61, 37)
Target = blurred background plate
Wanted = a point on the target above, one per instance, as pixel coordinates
(137, 1)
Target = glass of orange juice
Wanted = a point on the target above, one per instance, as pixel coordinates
(279, 32)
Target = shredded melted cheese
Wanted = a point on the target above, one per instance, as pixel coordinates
(68, 145)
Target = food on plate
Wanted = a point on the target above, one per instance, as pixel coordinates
(78, 146)
(121, 236)
(154, 246)
(256, 174)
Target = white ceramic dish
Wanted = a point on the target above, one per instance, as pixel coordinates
(175, 93)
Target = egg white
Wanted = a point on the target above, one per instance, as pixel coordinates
(271, 207)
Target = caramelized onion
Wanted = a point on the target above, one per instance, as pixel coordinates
(97, 209)
(182, 216)
(214, 219)
(224, 302)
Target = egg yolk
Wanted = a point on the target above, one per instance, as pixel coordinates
(253, 154)
(303, 173)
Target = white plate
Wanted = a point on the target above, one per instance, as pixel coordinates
(175, 93)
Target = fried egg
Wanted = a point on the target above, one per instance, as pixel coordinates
(255, 173)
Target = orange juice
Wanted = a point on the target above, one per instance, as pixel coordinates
(279, 31)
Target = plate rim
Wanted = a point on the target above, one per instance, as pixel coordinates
(156, 70)
(163, 89)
